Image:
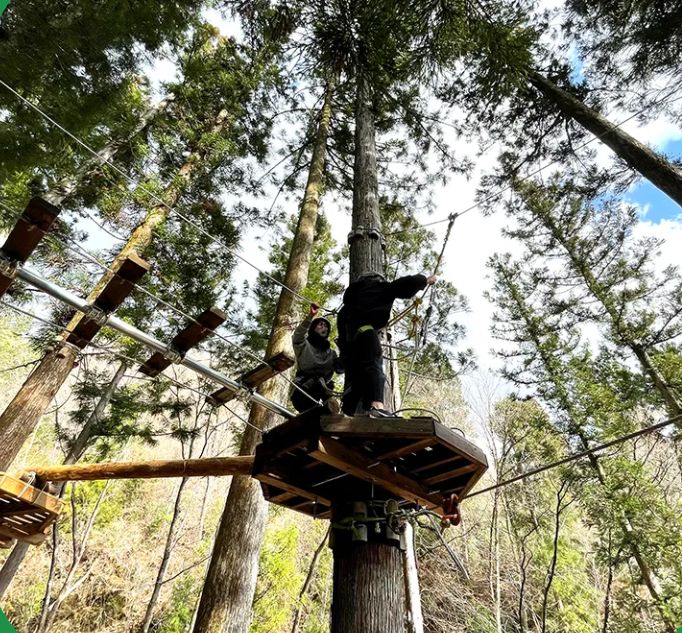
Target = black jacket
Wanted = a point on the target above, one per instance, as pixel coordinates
(368, 301)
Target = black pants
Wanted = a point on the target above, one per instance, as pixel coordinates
(364, 365)
(315, 388)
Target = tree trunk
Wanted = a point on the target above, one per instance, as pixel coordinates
(369, 587)
(35, 395)
(660, 172)
(227, 596)
(366, 243)
(147, 622)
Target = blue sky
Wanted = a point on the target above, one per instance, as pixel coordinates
(660, 206)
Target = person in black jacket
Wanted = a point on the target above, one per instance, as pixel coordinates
(366, 309)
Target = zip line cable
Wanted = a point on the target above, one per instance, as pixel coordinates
(580, 455)
(82, 252)
(127, 358)
(497, 194)
(157, 198)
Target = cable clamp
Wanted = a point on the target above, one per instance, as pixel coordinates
(173, 355)
(8, 267)
(95, 314)
(244, 394)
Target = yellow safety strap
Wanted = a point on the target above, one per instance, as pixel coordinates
(364, 328)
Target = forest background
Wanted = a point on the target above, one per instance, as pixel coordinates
(212, 110)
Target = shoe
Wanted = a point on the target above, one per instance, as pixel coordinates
(334, 406)
(381, 413)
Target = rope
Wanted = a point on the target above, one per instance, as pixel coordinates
(580, 455)
(154, 196)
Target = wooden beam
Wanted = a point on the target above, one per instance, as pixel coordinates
(119, 286)
(34, 222)
(452, 474)
(373, 428)
(210, 466)
(13, 488)
(295, 490)
(406, 450)
(251, 379)
(335, 454)
(190, 336)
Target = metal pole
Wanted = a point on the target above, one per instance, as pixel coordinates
(119, 325)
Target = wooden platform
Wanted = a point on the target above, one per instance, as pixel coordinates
(309, 462)
(26, 513)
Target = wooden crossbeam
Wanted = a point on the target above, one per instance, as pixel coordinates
(208, 466)
(265, 371)
(183, 341)
(335, 454)
(117, 288)
(34, 222)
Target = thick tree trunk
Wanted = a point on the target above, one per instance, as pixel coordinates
(369, 592)
(660, 172)
(366, 243)
(227, 596)
(35, 395)
(165, 559)
(369, 589)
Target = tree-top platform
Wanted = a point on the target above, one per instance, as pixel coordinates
(310, 462)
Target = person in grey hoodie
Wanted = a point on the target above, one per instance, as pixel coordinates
(316, 362)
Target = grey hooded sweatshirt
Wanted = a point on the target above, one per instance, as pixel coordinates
(313, 362)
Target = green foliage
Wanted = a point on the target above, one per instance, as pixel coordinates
(177, 617)
(278, 580)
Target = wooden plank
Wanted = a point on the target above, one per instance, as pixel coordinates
(366, 427)
(190, 336)
(451, 474)
(299, 492)
(406, 450)
(32, 539)
(117, 288)
(34, 222)
(441, 462)
(20, 490)
(460, 444)
(265, 371)
(332, 452)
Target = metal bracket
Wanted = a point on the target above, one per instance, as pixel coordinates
(371, 232)
(95, 314)
(173, 355)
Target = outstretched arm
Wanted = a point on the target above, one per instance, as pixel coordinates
(406, 287)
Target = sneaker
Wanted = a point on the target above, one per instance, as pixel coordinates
(381, 413)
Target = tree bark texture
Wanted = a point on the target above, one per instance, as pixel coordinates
(366, 243)
(34, 397)
(369, 590)
(227, 596)
(659, 171)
